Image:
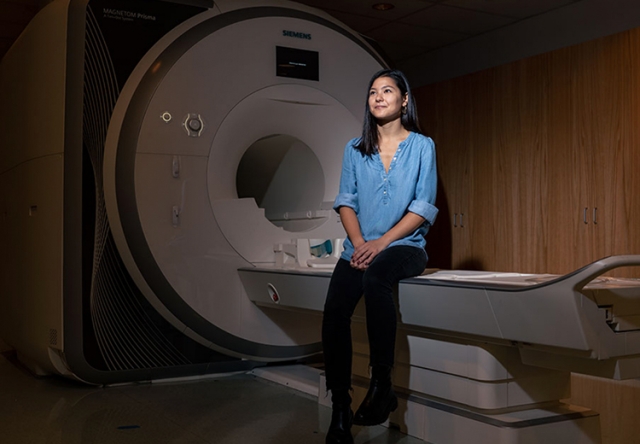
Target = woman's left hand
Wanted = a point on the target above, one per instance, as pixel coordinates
(364, 254)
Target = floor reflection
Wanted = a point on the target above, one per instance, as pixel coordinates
(225, 410)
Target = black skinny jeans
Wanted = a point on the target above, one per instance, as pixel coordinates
(345, 290)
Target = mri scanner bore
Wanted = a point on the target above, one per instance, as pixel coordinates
(285, 178)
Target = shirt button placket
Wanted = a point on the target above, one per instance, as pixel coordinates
(385, 195)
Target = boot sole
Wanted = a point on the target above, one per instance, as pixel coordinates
(393, 405)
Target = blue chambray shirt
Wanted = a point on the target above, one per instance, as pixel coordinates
(381, 199)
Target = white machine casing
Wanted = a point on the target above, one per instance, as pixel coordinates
(132, 176)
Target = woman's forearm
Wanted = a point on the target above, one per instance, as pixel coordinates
(351, 225)
(364, 253)
(407, 225)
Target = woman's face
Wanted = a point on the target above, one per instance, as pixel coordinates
(386, 100)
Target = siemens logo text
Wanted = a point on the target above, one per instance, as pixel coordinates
(298, 35)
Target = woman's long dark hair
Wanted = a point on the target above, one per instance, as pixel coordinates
(368, 143)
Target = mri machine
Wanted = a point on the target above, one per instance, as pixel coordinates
(172, 167)
(166, 144)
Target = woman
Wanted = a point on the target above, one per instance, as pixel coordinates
(386, 205)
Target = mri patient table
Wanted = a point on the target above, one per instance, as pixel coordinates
(486, 357)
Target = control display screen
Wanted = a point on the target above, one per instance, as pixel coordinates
(297, 63)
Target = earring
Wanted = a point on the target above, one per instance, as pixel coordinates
(404, 109)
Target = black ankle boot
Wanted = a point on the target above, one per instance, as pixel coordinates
(340, 428)
(380, 401)
(341, 419)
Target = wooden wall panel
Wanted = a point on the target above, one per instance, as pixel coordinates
(600, 111)
(481, 200)
(616, 401)
(536, 146)
(454, 160)
(562, 216)
(628, 210)
(528, 146)
(521, 181)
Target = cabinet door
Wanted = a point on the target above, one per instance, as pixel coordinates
(519, 164)
(621, 179)
(509, 166)
(460, 159)
(590, 154)
(566, 191)
(482, 202)
(444, 116)
(627, 232)
(601, 93)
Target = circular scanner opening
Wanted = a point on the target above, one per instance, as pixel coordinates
(285, 178)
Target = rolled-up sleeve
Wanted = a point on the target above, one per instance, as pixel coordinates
(426, 188)
(348, 192)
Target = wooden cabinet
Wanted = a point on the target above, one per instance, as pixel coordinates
(520, 95)
(491, 159)
(597, 110)
(539, 155)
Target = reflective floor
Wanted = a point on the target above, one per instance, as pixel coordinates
(239, 409)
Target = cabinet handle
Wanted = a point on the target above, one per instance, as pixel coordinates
(175, 216)
(584, 216)
(175, 167)
(595, 215)
(461, 223)
(455, 220)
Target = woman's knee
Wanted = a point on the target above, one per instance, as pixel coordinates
(340, 305)
(334, 308)
(374, 282)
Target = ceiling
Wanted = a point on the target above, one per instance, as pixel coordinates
(410, 29)
(415, 27)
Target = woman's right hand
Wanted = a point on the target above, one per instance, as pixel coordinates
(365, 253)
